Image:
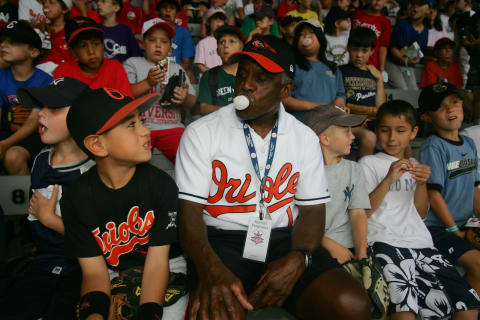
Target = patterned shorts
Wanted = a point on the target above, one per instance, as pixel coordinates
(422, 281)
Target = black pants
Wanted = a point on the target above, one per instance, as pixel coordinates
(42, 294)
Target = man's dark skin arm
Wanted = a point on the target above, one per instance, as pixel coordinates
(277, 282)
(219, 293)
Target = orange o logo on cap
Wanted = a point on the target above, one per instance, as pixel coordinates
(114, 93)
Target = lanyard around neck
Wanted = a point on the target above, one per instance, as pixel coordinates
(254, 159)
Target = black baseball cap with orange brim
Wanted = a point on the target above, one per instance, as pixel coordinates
(95, 112)
(77, 25)
(271, 53)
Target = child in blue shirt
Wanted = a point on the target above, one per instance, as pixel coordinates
(182, 44)
(317, 81)
(452, 186)
(407, 31)
(19, 143)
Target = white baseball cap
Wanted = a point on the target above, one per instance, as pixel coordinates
(157, 22)
(68, 3)
(214, 10)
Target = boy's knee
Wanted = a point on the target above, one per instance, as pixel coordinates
(353, 303)
(470, 262)
(16, 160)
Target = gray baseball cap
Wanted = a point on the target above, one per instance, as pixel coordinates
(322, 117)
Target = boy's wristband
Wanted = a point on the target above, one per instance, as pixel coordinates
(94, 302)
(149, 310)
(452, 229)
(407, 68)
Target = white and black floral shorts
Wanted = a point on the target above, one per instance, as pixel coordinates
(422, 281)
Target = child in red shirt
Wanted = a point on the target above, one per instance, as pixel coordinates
(56, 12)
(85, 38)
(443, 67)
(373, 18)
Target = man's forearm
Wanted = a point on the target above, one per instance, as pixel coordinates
(309, 228)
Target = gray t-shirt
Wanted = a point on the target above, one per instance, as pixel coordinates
(346, 185)
(157, 117)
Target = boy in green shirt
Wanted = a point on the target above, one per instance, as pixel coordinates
(216, 85)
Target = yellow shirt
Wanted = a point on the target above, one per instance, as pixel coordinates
(305, 15)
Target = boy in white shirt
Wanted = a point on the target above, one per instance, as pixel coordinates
(420, 280)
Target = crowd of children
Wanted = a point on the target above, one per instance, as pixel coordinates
(89, 89)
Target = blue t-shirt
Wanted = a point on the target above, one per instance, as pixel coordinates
(182, 45)
(454, 174)
(50, 244)
(404, 35)
(9, 86)
(318, 84)
(119, 42)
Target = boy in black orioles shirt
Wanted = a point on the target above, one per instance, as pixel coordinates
(120, 214)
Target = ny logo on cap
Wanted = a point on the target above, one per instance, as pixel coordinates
(259, 44)
(291, 68)
(114, 93)
(11, 25)
(439, 87)
(57, 81)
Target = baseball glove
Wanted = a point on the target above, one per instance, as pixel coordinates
(473, 236)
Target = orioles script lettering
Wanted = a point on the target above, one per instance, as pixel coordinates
(122, 239)
(235, 190)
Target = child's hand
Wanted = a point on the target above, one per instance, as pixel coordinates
(375, 72)
(180, 94)
(420, 172)
(396, 170)
(413, 61)
(460, 234)
(339, 252)
(155, 75)
(42, 208)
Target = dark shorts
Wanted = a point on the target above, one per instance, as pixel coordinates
(228, 245)
(42, 295)
(33, 144)
(423, 282)
(449, 245)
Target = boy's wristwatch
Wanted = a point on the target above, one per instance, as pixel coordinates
(308, 257)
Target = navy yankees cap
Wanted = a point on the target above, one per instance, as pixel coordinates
(59, 93)
(432, 96)
(94, 112)
(21, 32)
(271, 53)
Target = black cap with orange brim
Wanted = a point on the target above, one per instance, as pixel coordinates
(79, 24)
(271, 53)
(95, 112)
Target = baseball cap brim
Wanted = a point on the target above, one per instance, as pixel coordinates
(350, 120)
(76, 32)
(165, 26)
(310, 23)
(142, 104)
(36, 97)
(263, 61)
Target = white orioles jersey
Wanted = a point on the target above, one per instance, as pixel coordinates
(213, 167)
